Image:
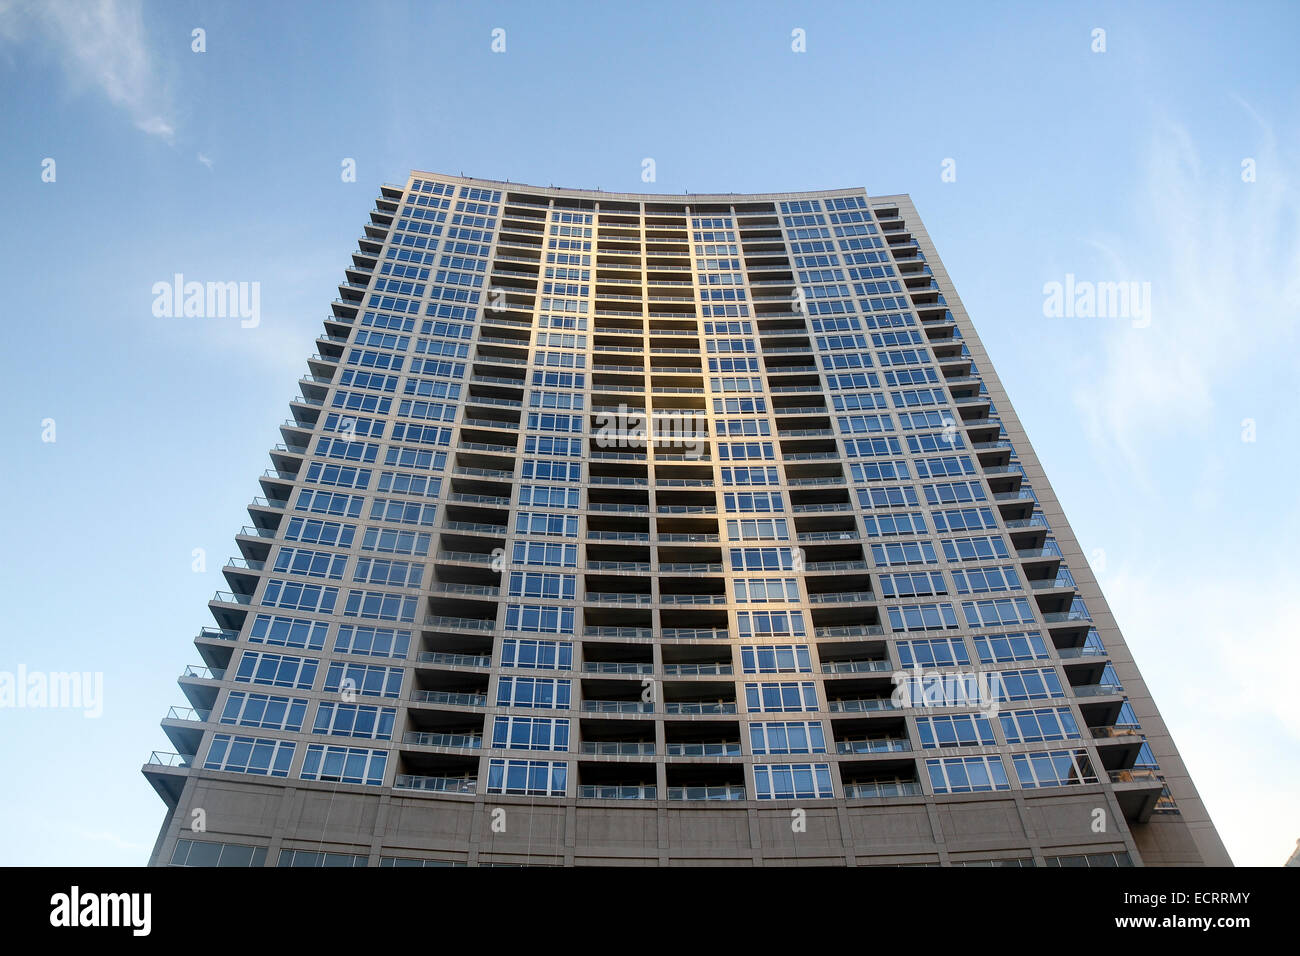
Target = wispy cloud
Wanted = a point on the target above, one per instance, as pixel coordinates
(99, 43)
(1221, 255)
(205, 160)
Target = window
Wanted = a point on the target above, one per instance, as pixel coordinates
(547, 692)
(287, 632)
(1032, 684)
(371, 641)
(278, 670)
(792, 780)
(372, 680)
(759, 590)
(1009, 648)
(531, 733)
(997, 612)
(787, 737)
(770, 623)
(933, 652)
(1053, 768)
(255, 755)
(539, 655)
(296, 596)
(962, 730)
(210, 853)
(1039, 724)
(921, 617)
(912, 584)
(538, 778)
(264, 711)
(985, 580)
(539, 618)
(546, 555)
(776, 659)
(967, 774)
(344, 765)
(793, 696)
(354, 720)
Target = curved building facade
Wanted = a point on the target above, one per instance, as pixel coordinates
(644, 529)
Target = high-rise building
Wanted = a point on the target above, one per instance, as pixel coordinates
(649, 529)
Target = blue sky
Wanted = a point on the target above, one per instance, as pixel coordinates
(225, 165)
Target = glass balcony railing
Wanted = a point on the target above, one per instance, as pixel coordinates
(187, 713)
(618, 706)
(863, 705)
(726, 748)
(1136, 775)
(202, 673)
(468, 741)
(455, 660)
(699, 707)
(617, 667)
(873, 745)
(882, 788)
(590, 791)
(617, 748)
(406, 781)
(163, 758)
(857, 667)
(448, 697)
(691, 670)
(706, 793)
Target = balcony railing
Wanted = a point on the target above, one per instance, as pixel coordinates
(873, 745)
(406, 781)
(448, 697)
(856, 667)
(863, 705)
(618, 706)
(163, 758)
(691, 670)
(699, 707)
(590, 791)
(455, 660)
(470, 741)
(706, 793)
(618, 748)
(727, 748)
(187, 713)
(617, 667)
(883, 788)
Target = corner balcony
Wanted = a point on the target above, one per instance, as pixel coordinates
(166, 773)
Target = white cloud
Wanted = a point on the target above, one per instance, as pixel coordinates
(1223, 260)
(205, 160)
(98, 43)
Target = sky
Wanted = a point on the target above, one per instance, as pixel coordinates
(1167, 158)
